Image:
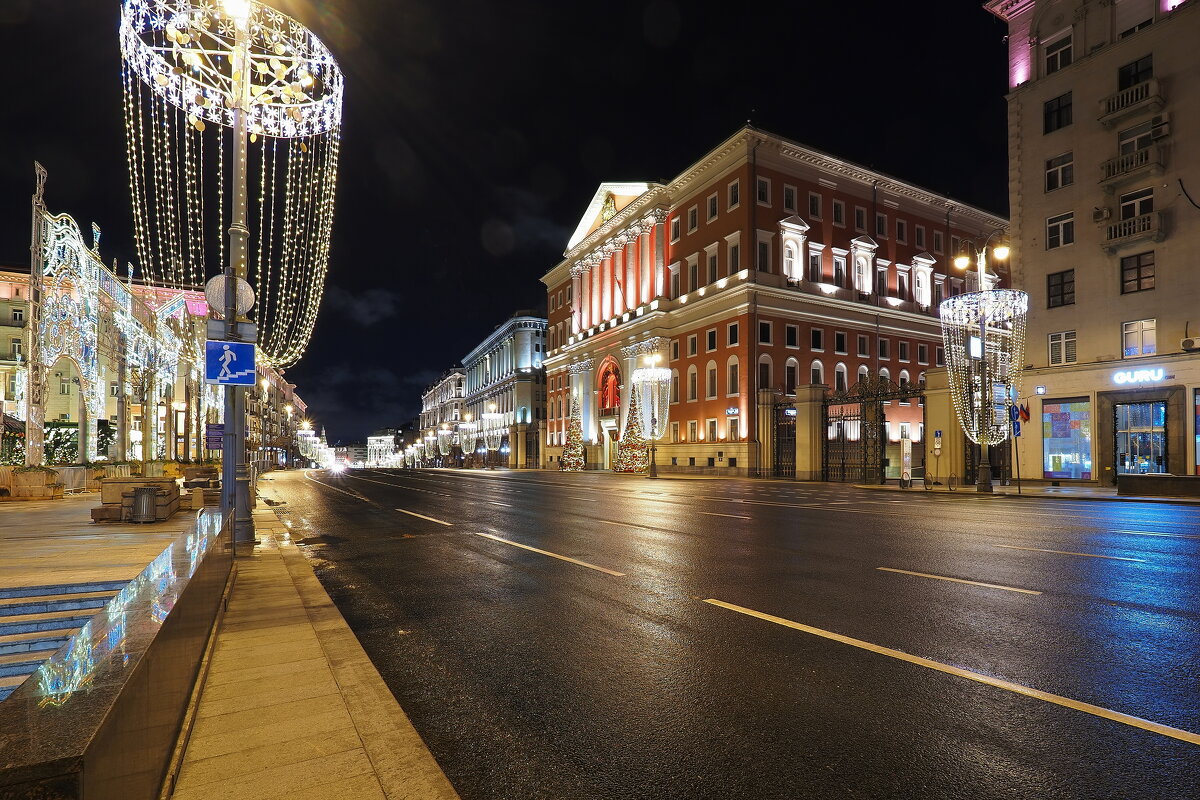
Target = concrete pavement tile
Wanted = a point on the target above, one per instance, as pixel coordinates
(256, 696)
(206, 744)
(273, 672)
(287, 779)
(269, 755)
(294, 712)
(318, 673)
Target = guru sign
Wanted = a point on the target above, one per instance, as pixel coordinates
(1138, 376)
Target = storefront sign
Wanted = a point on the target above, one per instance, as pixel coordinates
(1138, 375)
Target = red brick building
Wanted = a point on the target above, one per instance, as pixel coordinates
(763, 269)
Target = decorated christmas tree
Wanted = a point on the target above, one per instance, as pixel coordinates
(633, 454)
(573, 456)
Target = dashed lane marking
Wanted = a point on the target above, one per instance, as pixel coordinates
(552, 555)
(1069, 553)
(978, 677)
(714, 514)
(422, 516)
(958, 580)
(1166, 535)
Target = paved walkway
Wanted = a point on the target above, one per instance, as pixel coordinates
(292, 706)
(1044, 490)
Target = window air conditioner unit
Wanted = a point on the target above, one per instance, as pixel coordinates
(1160, 127)
(1191, 343)
(1101, 214)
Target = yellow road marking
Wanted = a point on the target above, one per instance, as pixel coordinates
(422, 516)
(1069, 553)
(552, 555)
(988, 680)
(959, 580)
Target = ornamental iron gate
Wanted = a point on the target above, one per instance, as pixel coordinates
(785, 441)
(855, 441)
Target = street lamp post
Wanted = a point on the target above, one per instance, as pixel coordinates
(653, 386)
(983, 481)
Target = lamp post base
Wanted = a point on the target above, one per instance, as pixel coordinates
(983, 481)
(653, 463)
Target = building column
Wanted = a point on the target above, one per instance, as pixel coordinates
(605, 288)
(586, 308)
(576, 301)
(660, 283)
(631, 279)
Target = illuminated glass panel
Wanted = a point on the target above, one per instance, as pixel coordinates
(1067, 439)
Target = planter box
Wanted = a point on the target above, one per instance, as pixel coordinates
(112, 489)
(1159, 485)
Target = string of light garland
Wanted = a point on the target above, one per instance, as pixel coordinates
(180, 89)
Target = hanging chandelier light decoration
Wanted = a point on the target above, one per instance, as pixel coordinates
(493, 429)
(468, 435)
(653, 387)
(984, 337)
(180, 91)
(445, 440)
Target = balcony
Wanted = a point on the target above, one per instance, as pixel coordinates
(851, 294)
(1144, 96)
(1135, 229)
(1132, 166)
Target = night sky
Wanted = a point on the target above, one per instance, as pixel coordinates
(476, 132)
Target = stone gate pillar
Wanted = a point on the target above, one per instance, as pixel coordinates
(810, 433)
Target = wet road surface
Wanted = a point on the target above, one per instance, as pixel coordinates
(597, 636)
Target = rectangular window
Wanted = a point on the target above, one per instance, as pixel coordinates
(1136, 72)
(839, 342)
(1060, 230)
(693, 275)
(791, 336)
(860, 219)
(902, 350)
(814, 267)
(712, 208)
(919, 237)
(735, 194)
(901, 231)
(764, 256)
(693, 219)
(1061, 348)
(885, 350)
(712, 433)
(1067, 439)
(675, 432)
(1139, 137)
(692, 387)
(1138, 338)
(1137, 273)
(1058, 54)
(839, 212)
(675, 230)
(1060, 171)
(863, 346)
(734, 378)
(764, 333)
(1056, 113)
(18, 315)
(735, 258)
(732, 338)
(1060, 288)
(817, 339)
(814, 205)
(763, 193)
(711, 383)
(675, 283)
(839, 271)
(15, 350)
(64, 387)
(735, 434)
(710, 340)
(881, 282)
(881, 224)
(693, 435)
(674, 349)
(764, 376)
(789, 198)
(940, 355)
(114, 389)
(1136, 203)
(922, 353)
(691, 340)
(937, 242)
(712, 267)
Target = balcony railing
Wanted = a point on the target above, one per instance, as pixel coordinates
(871, 299)
(1118, 170)
(1134, 229)
(1129, 101)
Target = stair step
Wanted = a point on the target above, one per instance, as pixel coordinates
(35, 640)
(38, 605)
(24, 667)
(9, 684)
(61, 588)
(38, 654)
(29, 623)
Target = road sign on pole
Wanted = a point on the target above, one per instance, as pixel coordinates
(229, 363)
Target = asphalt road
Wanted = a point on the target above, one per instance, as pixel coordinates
(747, 639)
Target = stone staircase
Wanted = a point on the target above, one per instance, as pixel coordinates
(37, 620)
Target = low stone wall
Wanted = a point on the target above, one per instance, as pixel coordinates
(1159, 485)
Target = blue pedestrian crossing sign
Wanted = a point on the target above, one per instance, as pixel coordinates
(229, 363)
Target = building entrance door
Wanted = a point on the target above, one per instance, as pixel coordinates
(1141, 437)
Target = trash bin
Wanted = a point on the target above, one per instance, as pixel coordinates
(143, 503)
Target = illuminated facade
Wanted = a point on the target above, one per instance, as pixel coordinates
(506, 375)
(1103, 123)
(442, 403)
(762, 269)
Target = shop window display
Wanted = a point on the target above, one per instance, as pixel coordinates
(1067, 439)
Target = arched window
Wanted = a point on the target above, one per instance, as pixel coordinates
(791, 375)
(764, 371)
(883, 373)
(921, 377)
(921, 286)
(789, 261)
(733, 375)
(710, 380)
(816, 374)
(839, 377)
(862, 275)
(693, 391)
(903, 377)
(863, 372)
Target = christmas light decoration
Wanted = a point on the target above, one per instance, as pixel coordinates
(445, 440)
(984, 337)
(181, 89)
(633, 452)
(493, 428)
(652, 385)
(573, 457)
(468, 435)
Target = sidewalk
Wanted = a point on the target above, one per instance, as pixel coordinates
(292, 707)
(1040, 491)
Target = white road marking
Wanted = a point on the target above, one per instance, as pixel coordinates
(422, 516)
(714, 514)
(498, 503)
(552, 555)
(336, 489)
(1069, 553)
(988, 680)
(1167, 535)
(958, 580)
